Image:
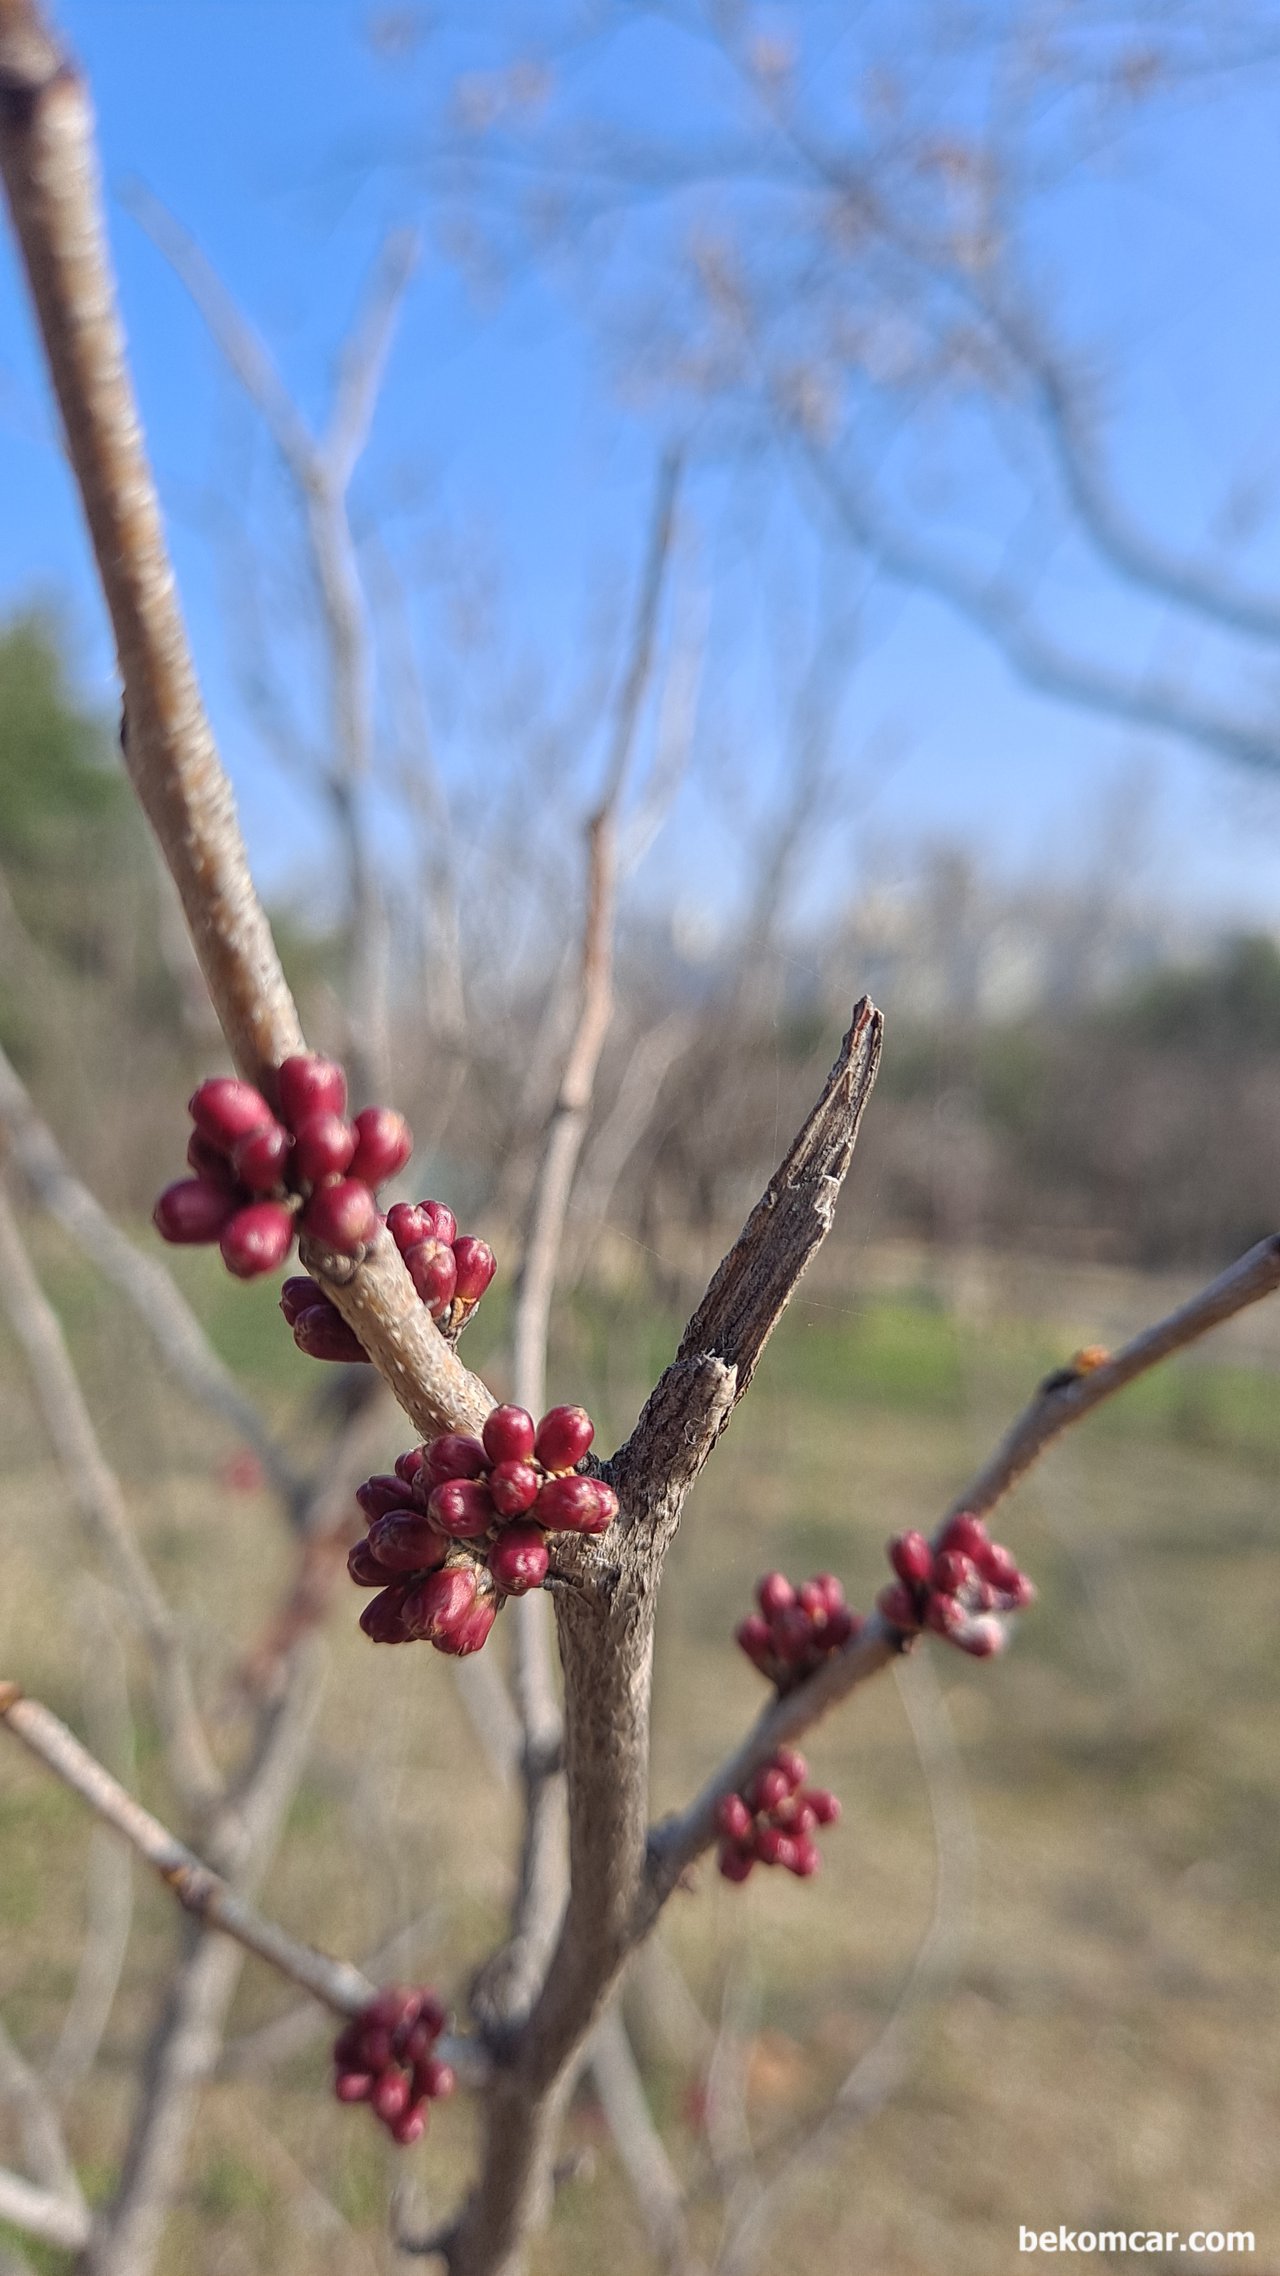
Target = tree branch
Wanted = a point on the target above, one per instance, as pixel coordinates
(49, 168)
(38, 2213)
(95, 1490)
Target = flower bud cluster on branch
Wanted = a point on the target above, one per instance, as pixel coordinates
(774, 1819)
(450, 1272)
(958, 1589)
(465, 1523)
(796, 1629)
(386, 2057)
(260, 1178)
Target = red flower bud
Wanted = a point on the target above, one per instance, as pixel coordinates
(953, 1571)
(768, 1788)
(508, 1435)
(224, 1109)
(476, 1265)
(384, 1143)
(308, 1085)
(261, 1158)
(323, 1147)
(434, 1274)
(409, 2128)
(408, 1465)
(341, 1216)
(752, 1634)
(735, 1864)
(897, 1605)
(404, 1541)
(436, 1608)
(733, 1818)
(514, 1487)
(943, 1614)
(793, 1766)
(983, 1637)
(773, 1846)
(257, 1239)
(774, 1593)
(364, 1568)
(322, 1333)
(563, 1437)
(383, 1618)
(211, 1164)
(408, 1223)
(299, 1295)
(825, 1806)
(518, 1559)
(997, 1565)
(353, 2086)
(377, 1495)
(791, 1635)
(454, 1455)
(434, 2079)
(804, 1860)
(192, 1211)
(570, 1505)
(462, 1508)
(968, 1534)
(911, 1557)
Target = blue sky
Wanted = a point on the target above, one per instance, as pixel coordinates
(287, 143)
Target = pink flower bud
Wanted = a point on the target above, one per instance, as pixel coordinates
(476, 1265)
(408, 1465)
(774, 1593)
(563, 1437)
(514, 1487)
(773, 1846)
(436, 1608)
(434, 2079)
(825, 1806)
(192, 1212)
(261, 1159)
(943, 1614)
(804, 1860)
(353, 2086)
(454, 1455)
(735, 1864)
(897, 1605)
(434, 1274)
(793, 1766)
(911, 1557)
(518, 1559)
(224, 1109)
(404, 1541)
(410, 2127)
(257, 1239)
(211, 1164)
(364, 1568)
(752, 1636)
(299, 1294)
(308, 1085)
(768, 1788)
(953, 1572)
(384, 1143)
(791, 1635)
(997, 1565)
(968, 1534)
(377, 1495)
(341, 1216)
(322, 1333)
(733, 1818)
(570, 1505)
(508, 1435)
(383, 1618)
(390, 2096)
(323, 1147)
(983, 1637)
(462, 1508)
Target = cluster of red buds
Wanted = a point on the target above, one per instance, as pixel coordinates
(260, 1178)
(464, 1522)
(386, 2057)
(958, 1589)
(772, 1822)
(796, 1628)
(450, 1272)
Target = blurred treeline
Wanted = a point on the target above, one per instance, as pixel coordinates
(1125, 1106)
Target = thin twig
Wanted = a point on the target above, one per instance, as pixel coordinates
(179, 1339)
(38, 2213)
(109, 1868)
(48, 162)
(198, 1889)
(654, 2182)
(1064, 1398)
(95, 1491)
(44, 2148)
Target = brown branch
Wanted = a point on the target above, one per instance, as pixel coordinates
(95, 1491)
(49, 167)
(198, 1889)
(1064, 1398)
(40, 2214)
(179, 1339)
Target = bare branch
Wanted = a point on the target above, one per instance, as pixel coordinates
(180, 1341)
(752, 1287)
(109, 1868)
(198, 1889)
(364, 359)
(1064, 1398)
(38, 2213)
(1072, 1392)
(654, 2183)
(50, 174)
(95, 1490)
(43, 2147)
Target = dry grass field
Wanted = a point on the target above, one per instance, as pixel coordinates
(1093, 2038)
